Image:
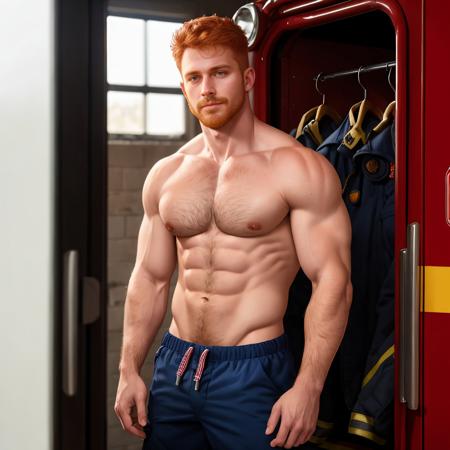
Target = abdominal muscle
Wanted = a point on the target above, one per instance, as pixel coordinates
(233, 290)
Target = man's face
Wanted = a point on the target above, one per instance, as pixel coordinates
(213, 84)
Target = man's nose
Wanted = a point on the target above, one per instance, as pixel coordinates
(208, 87)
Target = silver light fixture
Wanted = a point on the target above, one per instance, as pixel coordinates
(247, 17)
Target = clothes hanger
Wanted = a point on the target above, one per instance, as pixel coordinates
(311, 119)
(389, 112)
(306, 118)
(323, 110)
(356, 132)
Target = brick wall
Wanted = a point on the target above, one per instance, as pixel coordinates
(129, 164)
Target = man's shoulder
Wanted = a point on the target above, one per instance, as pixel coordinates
(303, 174)
(192, 147)
(283, 146)
(272, 137)
(295, 158)
(166, 165)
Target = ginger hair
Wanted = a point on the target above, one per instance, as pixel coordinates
(210, 31)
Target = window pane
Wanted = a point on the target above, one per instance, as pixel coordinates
(161, 68)
(125, 51)
(125, 112)
(166, 114)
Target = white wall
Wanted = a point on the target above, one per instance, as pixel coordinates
(26, 224)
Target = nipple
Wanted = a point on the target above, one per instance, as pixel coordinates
(169, 226)
(254, 226)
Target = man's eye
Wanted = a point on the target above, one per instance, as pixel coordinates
(221, 73)
(193, 78)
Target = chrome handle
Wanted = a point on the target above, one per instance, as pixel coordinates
(411, 335)
(70, 322)
(403, 308)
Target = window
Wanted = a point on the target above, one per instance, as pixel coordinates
(144, 96)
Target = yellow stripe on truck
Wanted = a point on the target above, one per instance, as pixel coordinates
(437, 289)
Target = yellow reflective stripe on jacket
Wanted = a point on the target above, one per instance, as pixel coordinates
(362, 418)
(389, 352)
(367, 434)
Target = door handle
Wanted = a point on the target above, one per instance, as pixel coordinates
(70, 322)
(403, 350)
(409, 320)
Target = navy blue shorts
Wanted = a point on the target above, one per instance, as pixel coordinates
(236, 389)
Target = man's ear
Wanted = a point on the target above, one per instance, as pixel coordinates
(249, 78)
(182, 88)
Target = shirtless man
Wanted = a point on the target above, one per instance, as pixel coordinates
(240, 208)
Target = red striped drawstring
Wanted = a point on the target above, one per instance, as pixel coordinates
(183, 364)
(200, 367)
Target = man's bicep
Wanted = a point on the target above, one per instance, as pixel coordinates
(156, 249)
(320, 223)
(322, 241)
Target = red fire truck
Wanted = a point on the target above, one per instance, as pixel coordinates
(293, 43)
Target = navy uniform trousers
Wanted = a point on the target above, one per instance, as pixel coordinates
(216, 397)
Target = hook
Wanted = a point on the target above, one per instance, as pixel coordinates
(389, 77)
(317, 88)
(359, 81)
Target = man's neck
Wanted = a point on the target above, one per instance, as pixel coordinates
(234, 138)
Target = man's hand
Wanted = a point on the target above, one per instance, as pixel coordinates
(299, 410)
(130, 405)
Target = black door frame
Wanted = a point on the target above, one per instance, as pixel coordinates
(80, 421)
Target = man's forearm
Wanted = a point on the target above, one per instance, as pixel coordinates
(325, 322)
(145, 308)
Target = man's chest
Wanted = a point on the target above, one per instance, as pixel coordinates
(240, 198)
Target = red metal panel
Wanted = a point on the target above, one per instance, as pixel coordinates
(409, 144)
(411, 431)
(437, 154)
(297, 94)
(437, 230)
(437, 392)
(447, 196)
(288, 7)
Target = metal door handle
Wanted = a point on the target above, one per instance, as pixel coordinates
(402, 352)
(409, 307)
(70, 322)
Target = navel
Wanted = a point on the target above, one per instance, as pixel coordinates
(205, 298)
(254, 226)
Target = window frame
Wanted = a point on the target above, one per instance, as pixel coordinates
(190, 127)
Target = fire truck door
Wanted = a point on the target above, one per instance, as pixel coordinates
(436, 258)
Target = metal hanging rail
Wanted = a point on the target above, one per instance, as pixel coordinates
(362, 69)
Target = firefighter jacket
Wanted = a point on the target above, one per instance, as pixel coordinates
(358, 392)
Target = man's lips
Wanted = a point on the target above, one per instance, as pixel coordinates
(211, 104)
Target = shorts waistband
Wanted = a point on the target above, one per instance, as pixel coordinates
(232, 352)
